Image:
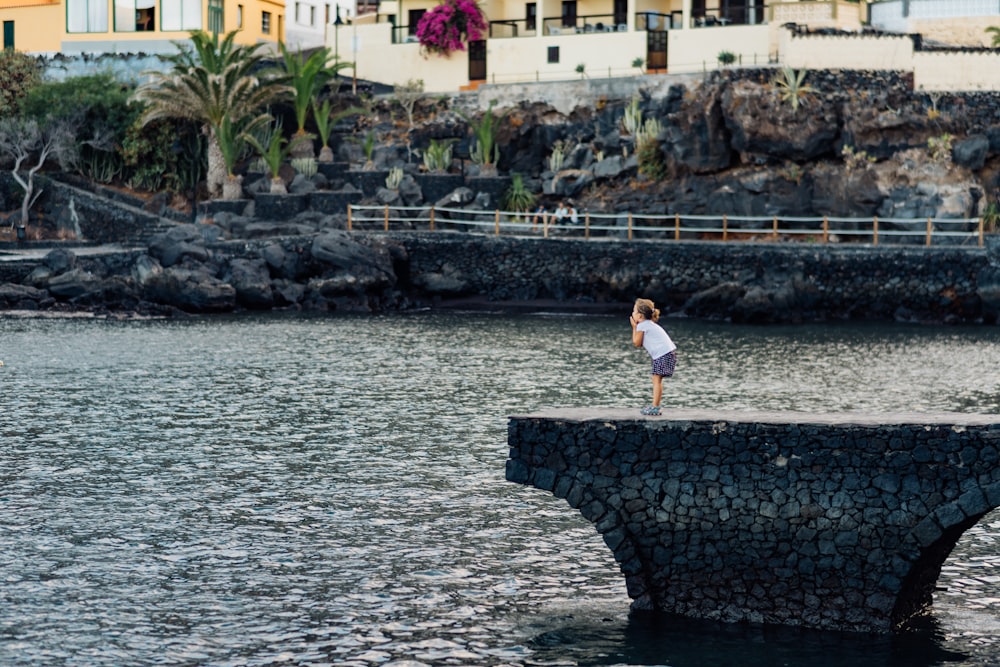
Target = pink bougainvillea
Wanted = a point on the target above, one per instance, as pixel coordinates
(450, 25)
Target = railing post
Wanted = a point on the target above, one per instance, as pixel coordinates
(725, 228)
(496, 222)
(432, 218)
(928, 231)
(545, 226)
(774, 228)
(586, 225)
(826, 230)
(982, 224)
(348, 217)
(386, 217)
(875, 231)
(630, 226)
(677, 226)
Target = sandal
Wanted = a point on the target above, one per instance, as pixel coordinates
(651, 410)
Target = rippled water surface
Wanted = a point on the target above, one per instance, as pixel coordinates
(290, 490)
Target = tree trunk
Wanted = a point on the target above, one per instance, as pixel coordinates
(232, 187)
(278, 186)
(29, 189)
(302, 146)
(216, 176)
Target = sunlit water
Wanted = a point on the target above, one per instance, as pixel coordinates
(291, 490)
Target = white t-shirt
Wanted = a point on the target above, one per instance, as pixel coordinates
(655, 339)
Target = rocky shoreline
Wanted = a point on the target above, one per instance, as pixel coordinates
(192, 269)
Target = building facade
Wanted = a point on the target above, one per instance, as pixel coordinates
(133, 26)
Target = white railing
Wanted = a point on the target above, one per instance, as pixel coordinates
(676, 226)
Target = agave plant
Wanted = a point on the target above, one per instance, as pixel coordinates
(437, 156)
(791, 86)
(518, 197)
(485, 151)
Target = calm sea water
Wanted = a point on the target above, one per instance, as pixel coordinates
(305, 490)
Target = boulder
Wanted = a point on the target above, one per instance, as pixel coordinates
(971, 152)
(252, 282)
(170, 247)
(59, 260)
(194, 290)
(73, 283)
(16, 295)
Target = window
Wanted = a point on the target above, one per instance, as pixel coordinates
(216, 16)
(553, 54)
(326, 16)
(531, 16)
(305, 14)
(135, 15)
(8, 34)
(621, 11)
(86, 16)
(415, 16)
(569, 13)
(180, 15)
(265, 22)
(239, 16)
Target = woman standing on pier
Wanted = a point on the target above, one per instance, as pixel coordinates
(650, 335)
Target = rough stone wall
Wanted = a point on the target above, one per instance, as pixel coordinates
(824, 522)
(745, 282)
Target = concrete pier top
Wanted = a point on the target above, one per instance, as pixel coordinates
(619, 414)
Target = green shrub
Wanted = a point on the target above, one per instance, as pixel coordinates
(19, 73)
(165, 154)
(518, 197)
(97, 107)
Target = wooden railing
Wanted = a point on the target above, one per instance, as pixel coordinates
(676, 226)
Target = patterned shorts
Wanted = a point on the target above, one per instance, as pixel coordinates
(665, 365)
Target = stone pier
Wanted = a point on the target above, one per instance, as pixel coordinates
(838, 521)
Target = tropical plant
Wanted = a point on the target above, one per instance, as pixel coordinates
(791, 86)
(368, 148)
(991, 217)
(939, 148)
(437, 156)
(326, 120)
(632, 120)
(647, 150)
(557, 156)
(581, 69)
(19, 73)
(726, 57)
(995, 31)
(210, 81)
(518, 197)
(450, 25)
(394, 178)
(485, 152)
(408, 94)
(855, 159)
(305, 166)
(273, 153)
(639, 64)
(307, 77)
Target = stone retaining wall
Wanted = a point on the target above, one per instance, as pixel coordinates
(825, 521)
(751, 282)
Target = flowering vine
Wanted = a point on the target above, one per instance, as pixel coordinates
(450, 25)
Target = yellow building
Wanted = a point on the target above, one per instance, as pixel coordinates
(133, 26)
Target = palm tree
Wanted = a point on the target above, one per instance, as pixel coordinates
(211, 82)
(307, 78)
